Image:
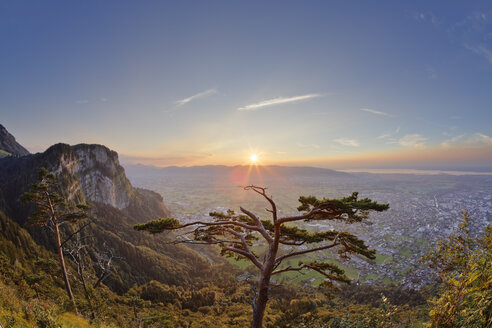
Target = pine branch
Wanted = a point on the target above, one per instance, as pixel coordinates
(281, 258)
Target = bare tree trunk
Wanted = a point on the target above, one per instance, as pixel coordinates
(86, 291)
(261, 301)
(62, 264)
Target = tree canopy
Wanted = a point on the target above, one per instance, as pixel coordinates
(235, 234)
(463, 263)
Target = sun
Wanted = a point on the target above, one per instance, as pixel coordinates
(253, 158)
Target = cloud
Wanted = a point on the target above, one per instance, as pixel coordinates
(389, 135)
(376, 112)
(475, 21)
(452, 141)
(277, 101)
(474, 140)
(480, 50)
(481, 138)
(196, 96)
(347, 142)
(413, 141)
(426, 17)
(104, 99)
(82, 101)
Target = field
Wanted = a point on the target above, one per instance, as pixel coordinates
(422, 210)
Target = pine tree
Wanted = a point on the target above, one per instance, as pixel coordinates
(235, 233)
(52, 211)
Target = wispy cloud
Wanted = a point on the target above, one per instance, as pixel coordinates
(82, 101)
(480, 50)
(413, 141)
(278, 101)
(390, 135)
(347, 142)
(450, 142)
(426, 17)
(205, 93)
(482, 138)
(475, 21)
(376, 112)
(474, 140)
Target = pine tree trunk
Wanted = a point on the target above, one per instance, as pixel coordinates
(62, 265)
(261, 302)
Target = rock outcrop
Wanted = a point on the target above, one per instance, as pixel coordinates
(93, 174)
(9, 146)
(87, 173)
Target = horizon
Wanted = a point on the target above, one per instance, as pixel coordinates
(345, 86)
(358, 170)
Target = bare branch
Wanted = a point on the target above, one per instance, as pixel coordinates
(218, 223)
(195, 242)
(243, 243)
(246, 254)
(76, 232)
(262, 191)
(262, 229)
(335, 243)
(289, 269)
(292, 243)
(299, 217)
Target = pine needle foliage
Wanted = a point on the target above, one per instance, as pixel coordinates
(51, 212)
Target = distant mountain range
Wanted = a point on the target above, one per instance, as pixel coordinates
(253, 173)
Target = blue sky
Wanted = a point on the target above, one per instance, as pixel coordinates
(209, 82)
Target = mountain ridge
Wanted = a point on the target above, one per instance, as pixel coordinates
(92, 174)
(268, 171)
(9, 146)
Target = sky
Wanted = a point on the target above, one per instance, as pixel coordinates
(340, 84)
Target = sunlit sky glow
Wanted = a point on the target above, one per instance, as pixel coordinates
(345, 84)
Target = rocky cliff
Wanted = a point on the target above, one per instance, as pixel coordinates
(9, 146)
(89, 173)
(92, 174)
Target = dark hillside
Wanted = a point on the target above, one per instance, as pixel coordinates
(92, 174)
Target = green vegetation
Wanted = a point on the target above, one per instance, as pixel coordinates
(236, 233)
(155, 283)
(464, 265)
(51, 212)
(4, 153)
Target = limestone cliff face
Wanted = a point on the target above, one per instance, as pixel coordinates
(90, 173)
(100, 177)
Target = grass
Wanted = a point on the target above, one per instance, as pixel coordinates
(3, 153)
(381, 258)
(406, 252)
(388, 281)
(70, 320)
